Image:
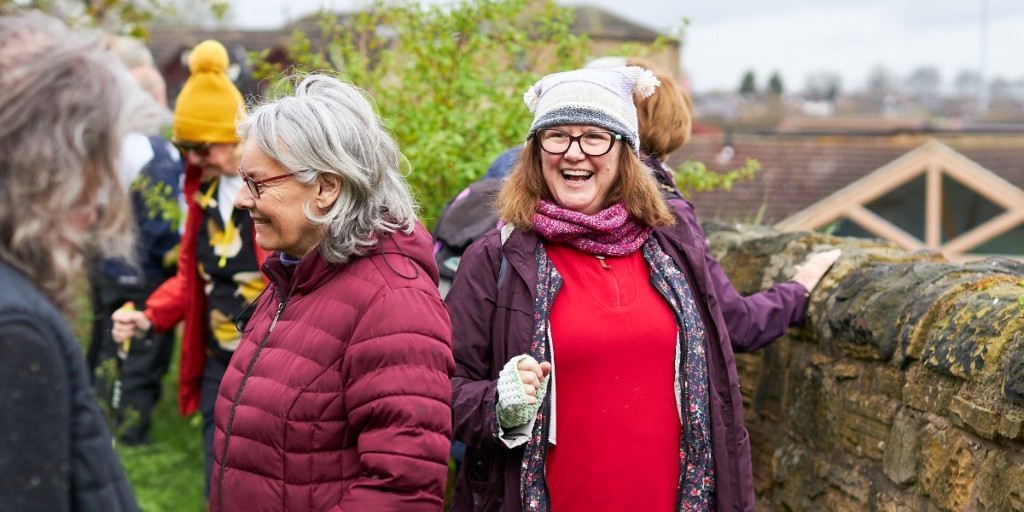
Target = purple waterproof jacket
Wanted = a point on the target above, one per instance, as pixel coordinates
(491, 325)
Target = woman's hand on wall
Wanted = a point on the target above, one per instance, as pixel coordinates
(811, 271)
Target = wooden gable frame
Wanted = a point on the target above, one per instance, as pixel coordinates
(932, 159)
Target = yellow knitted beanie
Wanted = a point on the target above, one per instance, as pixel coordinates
(209, 105)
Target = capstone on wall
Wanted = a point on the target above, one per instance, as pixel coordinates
(904, 391)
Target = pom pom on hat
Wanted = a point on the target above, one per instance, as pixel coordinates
(600, 97)
(210, 56)
(531, 98)
(646, 82)
(209, 105)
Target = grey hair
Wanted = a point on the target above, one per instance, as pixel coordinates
(131, 51)
(331, 127)
(65, 110)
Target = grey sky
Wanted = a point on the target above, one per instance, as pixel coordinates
(795, 37)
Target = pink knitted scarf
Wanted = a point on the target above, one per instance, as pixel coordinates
(610, 232)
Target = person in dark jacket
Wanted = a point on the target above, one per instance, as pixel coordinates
(596, 270)
(66, 105)
(338, 397)
(151, 168)
(218, 272)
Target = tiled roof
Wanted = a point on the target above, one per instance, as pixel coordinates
(796, 172)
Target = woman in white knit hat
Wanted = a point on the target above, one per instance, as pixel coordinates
(642, 410)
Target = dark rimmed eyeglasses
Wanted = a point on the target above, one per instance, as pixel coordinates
(201, 149)
(557, 142)
(255, 185)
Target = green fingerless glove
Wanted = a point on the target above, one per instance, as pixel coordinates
(513, 409)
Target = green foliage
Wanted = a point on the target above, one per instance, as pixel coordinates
(694, 176)
(160, 201)
(448, 79)
(1020, 299)
(749, 83)
(775, 85)
(167, 474)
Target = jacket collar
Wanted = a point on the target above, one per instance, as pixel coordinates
(521, 251)
(300, 278)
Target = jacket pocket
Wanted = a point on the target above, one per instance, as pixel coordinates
(746, 473)
(485, 480)
(487, 496)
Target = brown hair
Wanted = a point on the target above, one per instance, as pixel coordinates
(525, 187)
(665, 118)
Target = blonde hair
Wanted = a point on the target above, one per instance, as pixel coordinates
(66, 107)
(522, 191)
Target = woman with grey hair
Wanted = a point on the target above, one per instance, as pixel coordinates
(65, 103)
(338, 395)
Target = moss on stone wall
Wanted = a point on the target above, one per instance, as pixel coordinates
(904, 391)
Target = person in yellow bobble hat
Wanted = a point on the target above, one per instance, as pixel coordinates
(218, 276)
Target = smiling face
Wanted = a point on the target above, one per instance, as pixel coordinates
(577, 181)
(281, 224)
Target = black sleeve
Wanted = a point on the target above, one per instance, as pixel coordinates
(34, 422)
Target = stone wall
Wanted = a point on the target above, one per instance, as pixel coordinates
(904, 391)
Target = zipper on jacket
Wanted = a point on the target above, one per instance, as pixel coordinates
(238, 396)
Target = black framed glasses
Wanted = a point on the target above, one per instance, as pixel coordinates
(201, 149)
(255, 185)
(557, 142)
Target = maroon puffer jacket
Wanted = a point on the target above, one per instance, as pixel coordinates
(338, 396)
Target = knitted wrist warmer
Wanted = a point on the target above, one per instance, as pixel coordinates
(513, 409)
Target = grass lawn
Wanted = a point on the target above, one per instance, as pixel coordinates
(167, 475)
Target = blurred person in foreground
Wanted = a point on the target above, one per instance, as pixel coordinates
(338, 396)
(65, 104)
(597, 270)
(218, 273)
(149, 166)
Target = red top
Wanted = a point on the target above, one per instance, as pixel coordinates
(617, 423)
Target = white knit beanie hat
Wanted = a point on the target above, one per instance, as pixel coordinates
(596, 97)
